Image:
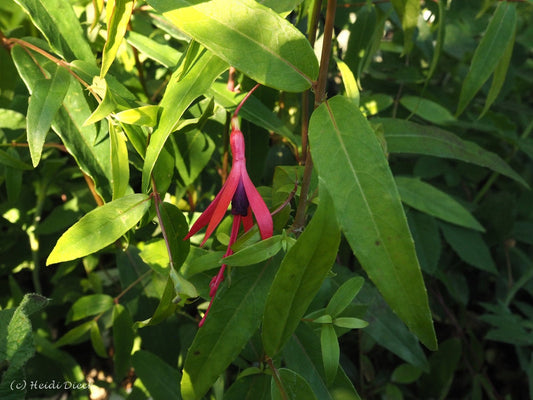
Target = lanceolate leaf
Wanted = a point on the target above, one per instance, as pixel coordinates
(118, 16)
(47, 97)
(270, 50)
(301, 273)
(60, 26)
(490, 51)
(430, 200)
(409, 137)
(294, 387)
(161, 380)
(184, 87)
(408, 11)
(91, 154)
(120, 167)
(355, 171)
(233, 318)
(99, 228)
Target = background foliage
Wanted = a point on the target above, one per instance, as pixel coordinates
(391, 138)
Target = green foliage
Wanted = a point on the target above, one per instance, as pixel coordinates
(400, 198)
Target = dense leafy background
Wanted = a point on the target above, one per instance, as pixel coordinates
(114, 120)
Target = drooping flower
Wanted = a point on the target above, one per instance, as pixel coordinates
(240, 192)
(245, 200)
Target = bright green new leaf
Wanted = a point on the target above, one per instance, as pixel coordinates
(294, 387)
(161, 380)
(143, 116)
(277, 55)
(301, 273)
(409, 137)
(427, 109)
(350, 323)
(232, 320)
(11, 119)
(89, 305)
(350, 85)
(120, 167)
(123, 336)
(162, 53)
(408, 11)
(492, 48)
(60, 26)
(344, 295)
(99, 228)
(354, 169)
(255, 253)
(118, 14)
(185, 85)
(45, 101)
(430, 200)
(82, 142)
(329, 344)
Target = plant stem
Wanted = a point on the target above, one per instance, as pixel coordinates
(320, 95)
(277, 378)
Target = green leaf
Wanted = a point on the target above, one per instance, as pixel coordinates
(469, 246)
(193, 152)
(82, 142)
(176, 228)
(300, 276)
(165, 308)
(409, 137)
(46, 99)
(430, 200)
(428, 244)
(161, 380)
(123, 336)
(363, 39)
(16, 346)
(352, 164)
(408, 11)
(406, 373)
(162, 53)
(184, 87)
(492, 48)
(256, 253)
(302, 354)
(232, 320)
(350, 85)
(427, 109)
(118, 14)
(294, 387)
(96, 340)
(10, 119)
(89, 305)
(329, 345)
(99, 228)
(11, 161)
(120, 167)
(143, 116)
(250, 387)
(277, 55)
(253, 110)
(60, 26)
(350, 323)
(388, 330)
(344, 295)
(75, 334)
(500, 73)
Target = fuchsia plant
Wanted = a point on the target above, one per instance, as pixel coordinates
(244, 198)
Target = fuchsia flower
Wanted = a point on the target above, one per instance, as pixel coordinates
(245, 200)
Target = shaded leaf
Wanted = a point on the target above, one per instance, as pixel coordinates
(353, 166)
(161, 380)
(89, 305)
(123, 336)
(294, 386)
(427, 109)
(430, 200)
(300, 276)
(409, 137)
